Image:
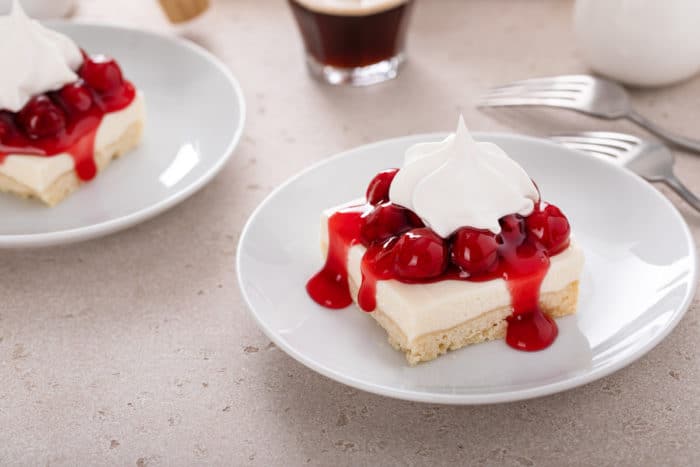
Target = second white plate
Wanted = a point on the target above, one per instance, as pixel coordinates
(639, 278)
(194, 119)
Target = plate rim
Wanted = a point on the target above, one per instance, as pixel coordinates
(470, 399)
(79, 234)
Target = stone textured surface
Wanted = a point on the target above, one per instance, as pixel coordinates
(136, 349)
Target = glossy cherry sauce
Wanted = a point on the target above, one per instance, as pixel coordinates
(523, 250)
(103, 90)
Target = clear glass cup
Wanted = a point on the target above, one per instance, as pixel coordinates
(353, 42)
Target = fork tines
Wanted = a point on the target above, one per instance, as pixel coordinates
(559, 91)
(606, 143)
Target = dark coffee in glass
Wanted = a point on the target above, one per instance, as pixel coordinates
(357, 42)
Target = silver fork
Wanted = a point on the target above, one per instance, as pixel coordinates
(650, 159)
(596, 97)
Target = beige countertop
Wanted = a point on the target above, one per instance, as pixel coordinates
(137, 348)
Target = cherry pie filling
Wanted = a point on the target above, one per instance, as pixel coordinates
(399, 246)
(67, 120)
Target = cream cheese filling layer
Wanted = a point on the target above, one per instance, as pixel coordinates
(419, 309)
(39, 172)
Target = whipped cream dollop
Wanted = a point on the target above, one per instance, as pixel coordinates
(35, 59)
(459, 182)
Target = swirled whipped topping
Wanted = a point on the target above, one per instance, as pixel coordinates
(35, 59)
(459, 182)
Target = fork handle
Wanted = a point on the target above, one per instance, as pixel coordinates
(677, 140)
(676, 185)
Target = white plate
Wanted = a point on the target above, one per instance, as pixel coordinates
(638, 281)
(194, 119)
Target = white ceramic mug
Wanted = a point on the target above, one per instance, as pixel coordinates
(640, 42)
(41, 9)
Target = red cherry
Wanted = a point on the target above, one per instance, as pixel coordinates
(7, 127)
(474, 250)
(413, 219)
(512, 229)
(549, 226)
(378, 189)
(40, 118)
(4, 129)
(379, 257)
(102, 73)
(76, 96)
(420, 254)
(384, 221)
(525, 260)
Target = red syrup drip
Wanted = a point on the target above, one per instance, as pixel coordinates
(329, 287)
(529, 328)
(523, 262)
(76, 137)
(376, 265)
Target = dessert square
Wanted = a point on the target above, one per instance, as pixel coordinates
(455, 248)
(64, 114)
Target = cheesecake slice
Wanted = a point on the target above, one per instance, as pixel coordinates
(425, 320)
(64, 114)
(454, 248)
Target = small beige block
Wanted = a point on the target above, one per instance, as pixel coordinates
(179, 11)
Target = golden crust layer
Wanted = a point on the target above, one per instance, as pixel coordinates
(487, 326)
(69, 182)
